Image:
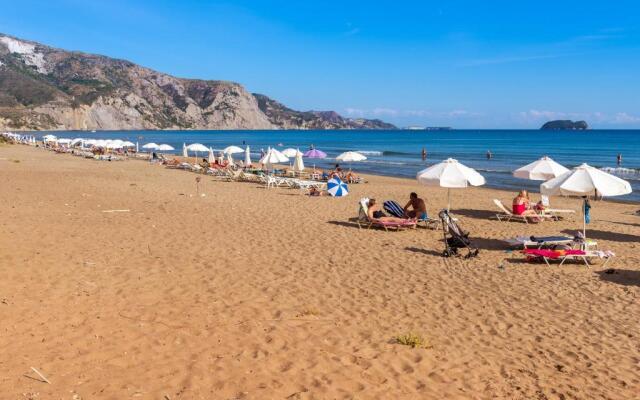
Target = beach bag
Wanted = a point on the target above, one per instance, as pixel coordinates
(393, 208)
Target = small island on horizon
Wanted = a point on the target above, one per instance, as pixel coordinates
(565, 125)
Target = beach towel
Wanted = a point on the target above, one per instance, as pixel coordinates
(393, 208)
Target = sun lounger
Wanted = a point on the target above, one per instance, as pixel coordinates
(394, 208)
(364, 220)
(507, 215)
(539, 242)
(563, 255)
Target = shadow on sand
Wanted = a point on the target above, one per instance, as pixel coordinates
(424, 251)
(477, 214)
(604, 235)
(625, 277)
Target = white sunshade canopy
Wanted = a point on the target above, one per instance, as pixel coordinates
(76, 141)
(128, 144)
(150, 146)
(247, 157)
(197, 147)
(351, 156)
(233, 150)
(64, 141)
(290, 152)
(540, 170)
(165, 147)
(273, 156)
(450, 174)
(585, 180)
(49, 138)
(298, 163)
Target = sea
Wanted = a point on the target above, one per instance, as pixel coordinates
(398, 152)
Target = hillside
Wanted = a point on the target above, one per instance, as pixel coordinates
(43, 88)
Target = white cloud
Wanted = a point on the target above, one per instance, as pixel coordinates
(507, 60)
(624, 118)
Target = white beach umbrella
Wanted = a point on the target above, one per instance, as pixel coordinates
(585, 180)
(127, 143)
(150, 146)
(450, 174)
(233, 150)
(165, 147)
(114, 144)
(185, 154)
(247, 157)
(49, 138)
(298, 164)
(273, 156)
(76, 141)
(64, 141)
(351, 156)
(290, 152)
(212, 157)
(197, 147)
(540, 170)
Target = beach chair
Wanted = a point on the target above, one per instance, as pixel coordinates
(554, 212)
(547, 255)
(364, 220)
(539, 242)
(507, 215)
(394, 208)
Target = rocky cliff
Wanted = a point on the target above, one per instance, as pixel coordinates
(561, 125)
(43, 88)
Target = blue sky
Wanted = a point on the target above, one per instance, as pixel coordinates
(466, 64)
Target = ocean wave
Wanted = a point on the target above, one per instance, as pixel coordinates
(370, 152)
(626, 173)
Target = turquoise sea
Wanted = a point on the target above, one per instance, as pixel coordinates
(398, 152)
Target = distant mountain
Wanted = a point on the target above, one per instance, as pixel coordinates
(43, 88)
(560, 125)
(286, 118)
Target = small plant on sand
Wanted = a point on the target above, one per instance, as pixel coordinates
(308, 312)
(414, 340)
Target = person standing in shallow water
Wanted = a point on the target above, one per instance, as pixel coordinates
(619, 159)
(424, 154)
(489, 155)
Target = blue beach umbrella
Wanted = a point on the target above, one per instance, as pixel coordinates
(337, 188)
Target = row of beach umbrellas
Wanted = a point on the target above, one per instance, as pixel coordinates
(583, 181)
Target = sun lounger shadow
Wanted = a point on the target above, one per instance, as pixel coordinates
(604, 235)
(623, 277)
(489, 244)
(424, 251)
(352, 223)
(478, 214)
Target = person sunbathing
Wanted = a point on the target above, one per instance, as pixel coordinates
(352, 177)
(314, 192)
(375, 213)
(522, 206)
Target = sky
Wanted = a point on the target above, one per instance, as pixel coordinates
(465, 64)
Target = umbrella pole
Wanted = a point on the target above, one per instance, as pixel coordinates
(584, 219)
(448, 200)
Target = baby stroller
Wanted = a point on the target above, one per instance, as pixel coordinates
(455, 238)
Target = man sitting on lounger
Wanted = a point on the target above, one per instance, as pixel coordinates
(418, 207)
(375, 213)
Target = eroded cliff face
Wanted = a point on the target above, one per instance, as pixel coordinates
(46, 88)
(42, 88)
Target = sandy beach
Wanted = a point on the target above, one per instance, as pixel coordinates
(248, 293)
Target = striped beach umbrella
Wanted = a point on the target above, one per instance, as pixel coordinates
(337, 188)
